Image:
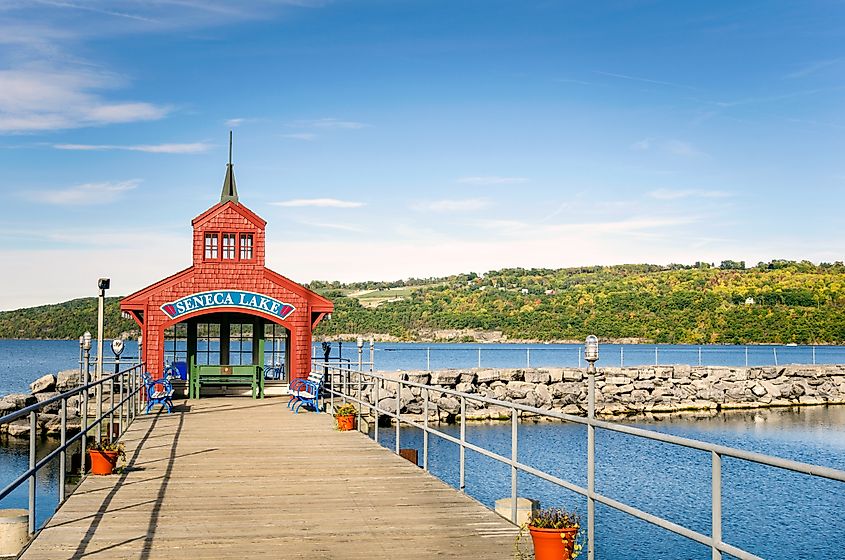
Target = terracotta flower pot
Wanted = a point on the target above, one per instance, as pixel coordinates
(102, 462)
(345, 423)
(553, 544)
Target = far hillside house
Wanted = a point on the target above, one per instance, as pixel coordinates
(228, 310)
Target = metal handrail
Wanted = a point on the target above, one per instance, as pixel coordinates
(127, 406)
(714, 540)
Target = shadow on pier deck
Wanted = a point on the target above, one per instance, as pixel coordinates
(232, 478)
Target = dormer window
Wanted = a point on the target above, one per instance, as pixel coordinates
(246, 246)
(229, 252)
(211, 246)
(229, 246)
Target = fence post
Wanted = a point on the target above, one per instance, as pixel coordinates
(425, 431)
(63, 454)
(32, 427)
(398, 408)
(376, 383)
(463, 441)
(479, 357)
(716, 509)
(528, 357)
(428, 359)
(514, 449)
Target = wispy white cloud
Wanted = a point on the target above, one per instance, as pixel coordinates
(40, 100)
(318, 203)
(329, 123)
(644, 80)
(193, 148)
(337, 123)
(641, 145)
(492, 180)
(671, 146)
(307, 136)
(681, 148)
(85, 194)
(233, 123)
(454, 205)
(812, 68)
(331, 225)
(674, 194)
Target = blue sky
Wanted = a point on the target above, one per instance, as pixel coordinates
(388, 139)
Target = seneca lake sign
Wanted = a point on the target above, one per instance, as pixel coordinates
(227, 298)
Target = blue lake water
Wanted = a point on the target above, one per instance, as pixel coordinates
(771, 513)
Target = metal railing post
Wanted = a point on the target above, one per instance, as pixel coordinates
(716, 509)
(110, 429)
(425, 431)
(479, 357)
(463, 442)
(514, 449)
(428, 359)
(376, 383)
(398, 409)
(528, 357)
(63, 455)
(84, 440)
(32, 428)
(120, 411)
(331, 387)
(591, 462)
(360, 401)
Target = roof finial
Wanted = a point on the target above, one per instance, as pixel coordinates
(230, 190)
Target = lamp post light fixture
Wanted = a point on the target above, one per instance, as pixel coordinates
(591, 354)
(103, 285)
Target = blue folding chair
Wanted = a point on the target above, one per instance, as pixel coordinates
(159, 392)
(306, 392)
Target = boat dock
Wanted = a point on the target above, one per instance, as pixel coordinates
(236, 478)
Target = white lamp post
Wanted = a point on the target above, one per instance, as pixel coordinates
(591, 354)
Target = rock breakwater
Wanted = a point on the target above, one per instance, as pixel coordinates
(619, 391)
(48, 419)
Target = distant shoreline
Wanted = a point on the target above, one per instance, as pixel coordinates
(382, 338)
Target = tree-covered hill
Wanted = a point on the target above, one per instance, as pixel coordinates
(780, 302)
(65, 320)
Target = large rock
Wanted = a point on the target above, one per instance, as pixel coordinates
(519, 389)
(18, 428)
(67, 379)
(536, 376)
(449, 404)
(43, 384)
(18, 400)
(445, 378)
(487, 375)
(52, 407)
(421, 377)
(573, 375)
(544, 396)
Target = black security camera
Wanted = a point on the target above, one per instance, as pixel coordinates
(103, 283)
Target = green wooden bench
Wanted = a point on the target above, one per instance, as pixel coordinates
(226, 375)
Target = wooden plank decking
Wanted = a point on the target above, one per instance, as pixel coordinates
(238, 478)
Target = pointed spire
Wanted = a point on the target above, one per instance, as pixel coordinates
(230, 189)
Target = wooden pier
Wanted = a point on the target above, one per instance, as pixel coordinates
(238, 478)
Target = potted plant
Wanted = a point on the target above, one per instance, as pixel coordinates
(345, 417)
(554, 532)
(104, 456)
